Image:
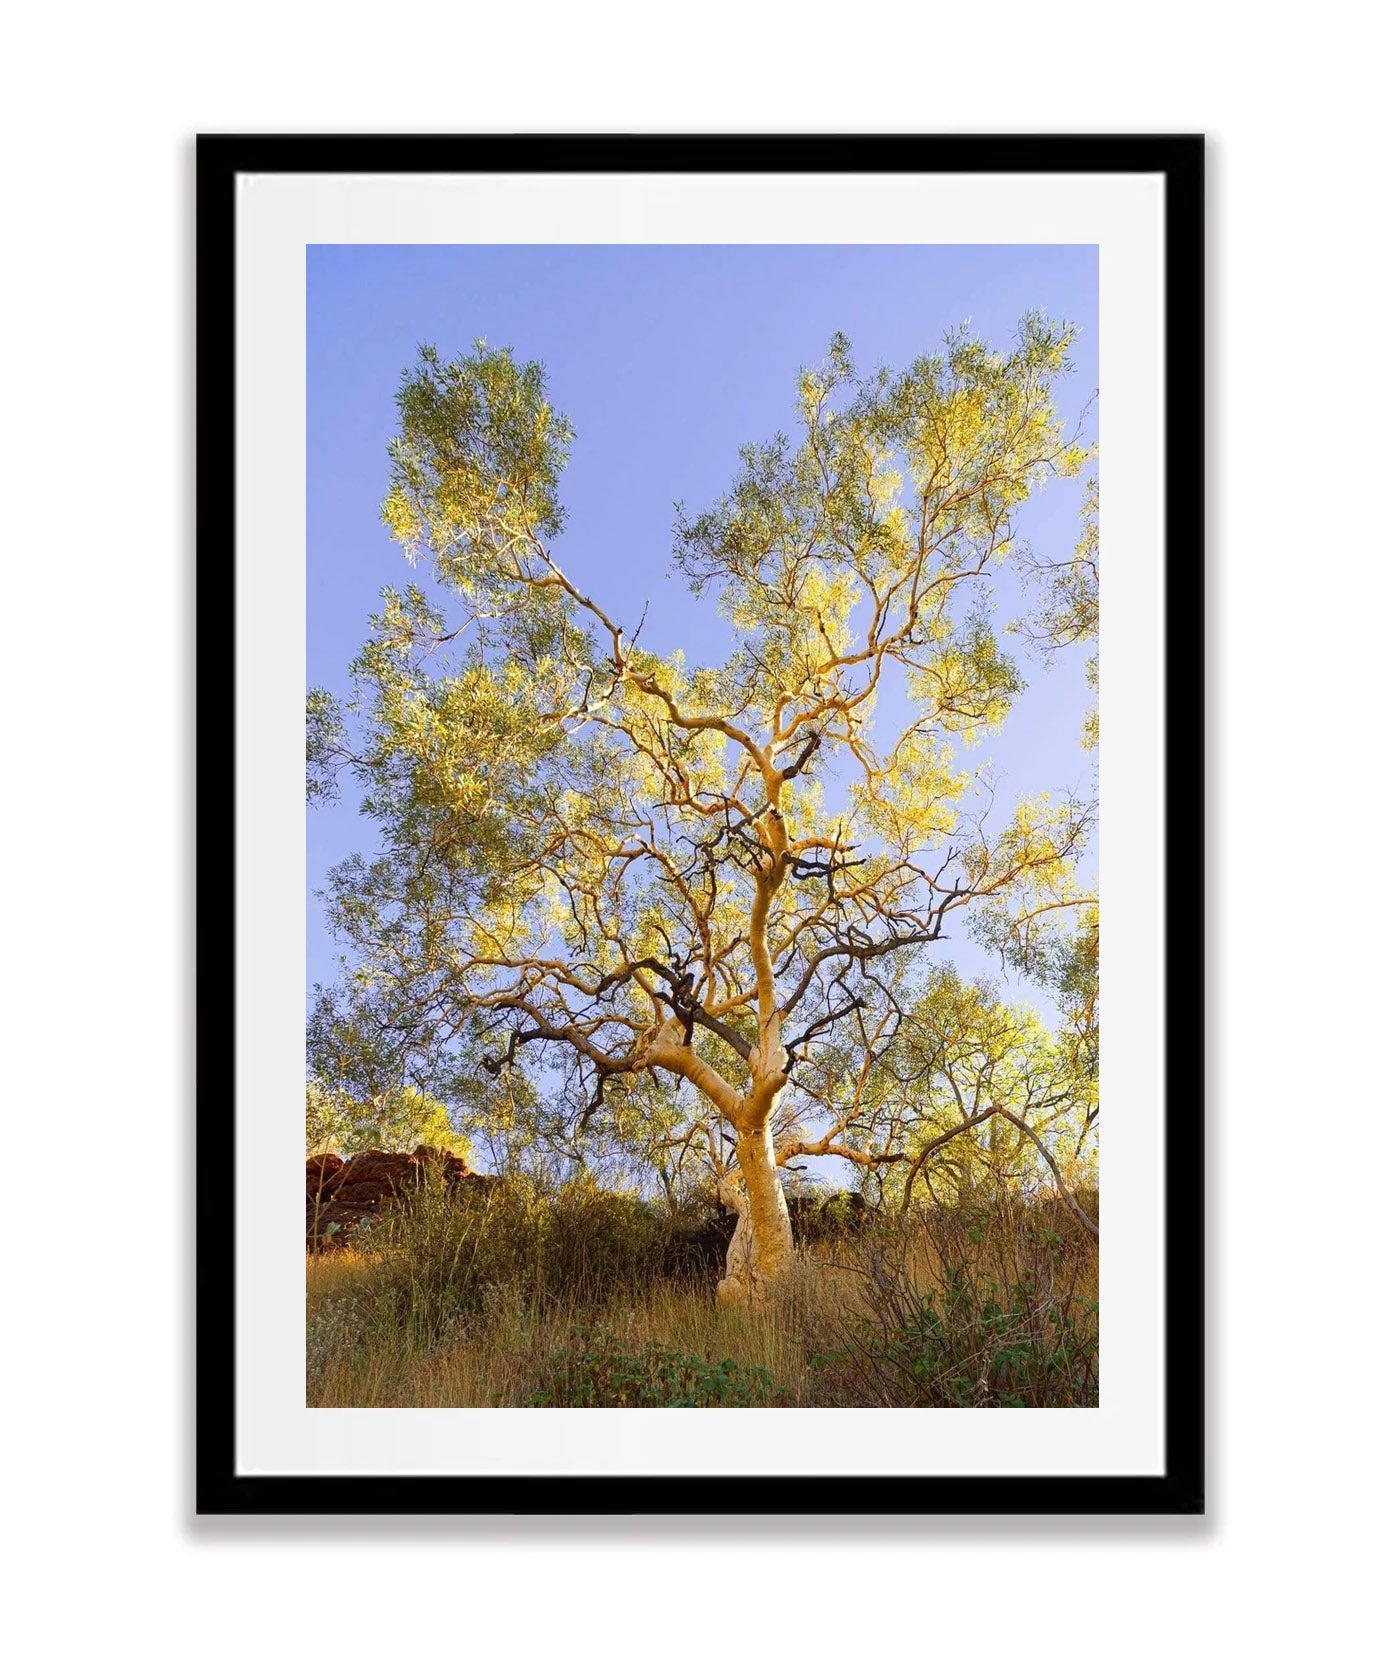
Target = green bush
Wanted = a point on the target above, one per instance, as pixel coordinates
(440, 1257)
(1010, 1319)
(595, 1368)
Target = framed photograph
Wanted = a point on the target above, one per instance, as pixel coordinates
(723, 881)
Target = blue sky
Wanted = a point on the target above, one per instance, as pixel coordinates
(666, 359)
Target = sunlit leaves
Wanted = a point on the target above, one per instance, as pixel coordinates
(908, 800)
(966, 1053)
(476, 464)
(590, 852)
(339, 1122)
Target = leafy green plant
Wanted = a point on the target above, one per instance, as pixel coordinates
(1008, 1318)
(596, 1368)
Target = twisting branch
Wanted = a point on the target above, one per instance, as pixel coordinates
(1000, 1111)
(819, 1026)
(690, 1011)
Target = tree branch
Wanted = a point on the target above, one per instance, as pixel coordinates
(1004, 1113)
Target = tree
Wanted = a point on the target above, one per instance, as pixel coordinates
(952, 1093)
(986, 1096)
(612, 869)
(356, 1097)
(338, 1123)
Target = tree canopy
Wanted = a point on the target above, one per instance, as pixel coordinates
(687, 903)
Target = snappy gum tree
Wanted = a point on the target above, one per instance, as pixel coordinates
(616, 867)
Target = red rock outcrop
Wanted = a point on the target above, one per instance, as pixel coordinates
(341, 1194)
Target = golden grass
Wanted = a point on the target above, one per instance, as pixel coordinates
(382, 1333)
(496, 1358)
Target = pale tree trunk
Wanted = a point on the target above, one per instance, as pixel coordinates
(761, 1246)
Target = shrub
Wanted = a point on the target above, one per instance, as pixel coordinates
(987, 1307)
(439, 1256)
(595, 1368)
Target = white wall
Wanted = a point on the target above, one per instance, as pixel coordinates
(1285, 1576)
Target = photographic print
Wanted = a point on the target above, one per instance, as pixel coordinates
(700, 698)
(701, 755)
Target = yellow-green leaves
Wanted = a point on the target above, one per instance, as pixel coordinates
(612, 865)
(341, 1121)
(908, 800)
(476, 465)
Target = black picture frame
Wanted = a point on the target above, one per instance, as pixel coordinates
(1179, 161)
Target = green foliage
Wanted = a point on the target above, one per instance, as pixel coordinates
(325, 745)
(440, 1257)
(964, 1051)
(1056, 945)
(323, 1122)
(951, 1063)
(1067, 602)
(1067, 610)
(601, 869)
(476, 464)
(959, 1347)
(339, 1123)
(897, 491)
(1011, 1320)
(596, 1368)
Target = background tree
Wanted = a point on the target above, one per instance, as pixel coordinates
(607, 868)
(1066, 593)
(986, 1097)
(339, 1123)
(952, 1094)
(357, 1092)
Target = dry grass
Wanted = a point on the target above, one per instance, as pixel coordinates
(997, 1308)
(497, 1357)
